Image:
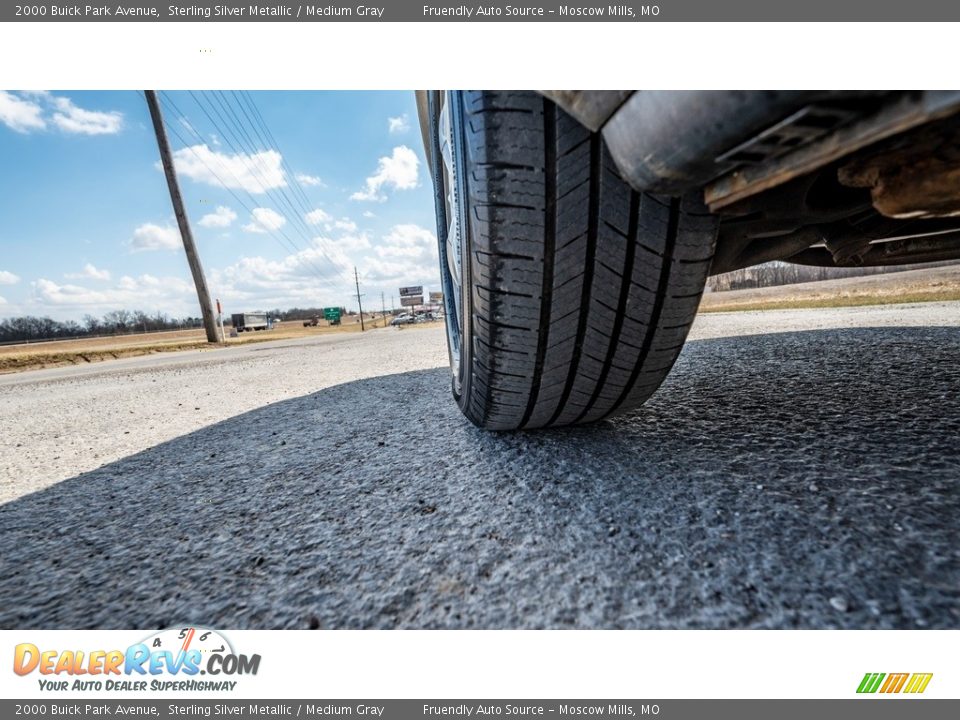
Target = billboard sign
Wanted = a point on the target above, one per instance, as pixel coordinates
(436, 297)
(411, 300)
(412, 290)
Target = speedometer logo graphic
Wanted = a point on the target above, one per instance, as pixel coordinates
(182, 639)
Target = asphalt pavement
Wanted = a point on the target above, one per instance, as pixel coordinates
(782, 479)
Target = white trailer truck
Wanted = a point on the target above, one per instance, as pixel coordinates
(249, 321)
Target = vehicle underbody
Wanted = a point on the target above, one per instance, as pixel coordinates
(576, 229)
(829, 178)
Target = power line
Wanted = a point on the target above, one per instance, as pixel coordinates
(248, 152)
(298, 192)
(255, 111)
(291, 245)
(250, 149)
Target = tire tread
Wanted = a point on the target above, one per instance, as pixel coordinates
(583, 289)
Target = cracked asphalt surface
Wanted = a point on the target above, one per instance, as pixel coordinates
(784, 479)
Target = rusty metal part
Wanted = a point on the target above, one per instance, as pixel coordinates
(811, 199)
(917, 176)
(592, 108)
(908, 111)
(945, 246)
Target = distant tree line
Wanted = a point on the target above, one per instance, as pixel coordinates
(780, 273)
(115, 322)
(122, 322)
(119, 322)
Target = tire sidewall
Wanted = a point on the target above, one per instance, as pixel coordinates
(462, 380)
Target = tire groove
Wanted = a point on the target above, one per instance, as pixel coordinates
(622, 303)
(673, 228)
(549, 240)
(596, 158)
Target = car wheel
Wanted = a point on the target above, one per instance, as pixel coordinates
(567, 295)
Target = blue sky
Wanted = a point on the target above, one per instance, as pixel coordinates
(88, 226)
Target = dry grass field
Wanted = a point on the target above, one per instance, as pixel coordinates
(86, 350)
(910, 286)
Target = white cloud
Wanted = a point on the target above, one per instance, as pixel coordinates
(220, 218)
(407, 255)
(310, 180)
(170, 294)
(8, 278)
(91, 272)
(256, 173)
(368, 214)
(291, 281)
(346, 243)
(3, 300)
(19, 114)
(70, 118)
(398, 171)
(407, 241)
(318, 217)
(154, 237)
(398, 125)
(265, 220)
(28, 111)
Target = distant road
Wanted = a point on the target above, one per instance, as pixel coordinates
(163, 359)
(798, 469)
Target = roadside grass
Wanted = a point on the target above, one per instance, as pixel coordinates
(14, 358)
(37, 360)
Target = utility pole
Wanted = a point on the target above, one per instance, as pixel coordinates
(356, 279)
(383, 309)
(193, 258)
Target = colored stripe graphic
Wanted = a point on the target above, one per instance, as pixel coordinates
(894, 682)
(918, 682)
(870, 682)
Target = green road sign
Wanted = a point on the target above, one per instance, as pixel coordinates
(331, 314)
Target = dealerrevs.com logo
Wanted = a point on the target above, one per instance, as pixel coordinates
(887, 683)
(170, 660)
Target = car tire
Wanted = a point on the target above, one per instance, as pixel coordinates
(576, 293)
